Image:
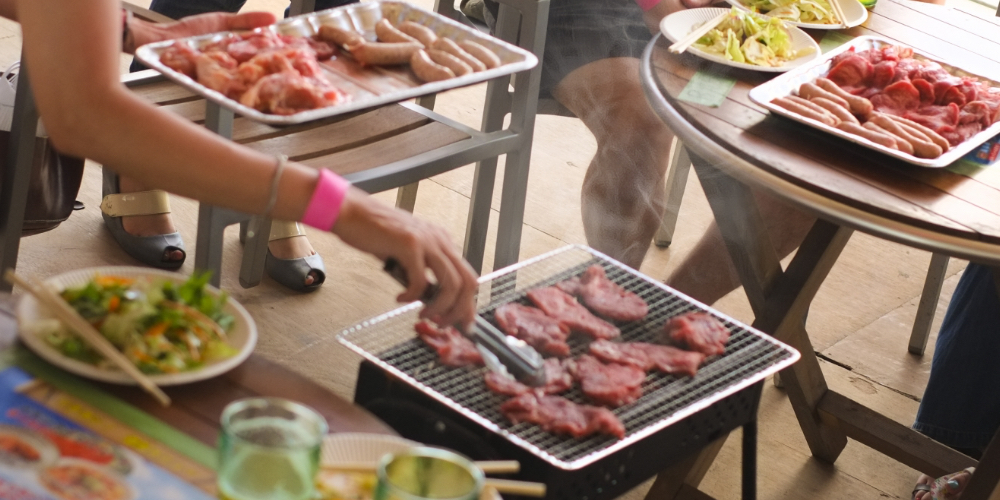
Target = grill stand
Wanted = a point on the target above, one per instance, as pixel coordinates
(420, 418)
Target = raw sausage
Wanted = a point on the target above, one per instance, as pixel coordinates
(839, 111)
(449, 61)
(822, 116)
(447, 45)
(422, 33)
(339, 36)
(428, 70)
(922, 146)
(859, 105)
(383, 54)
(932, 135)
(872, 135)
(810, 90)
(490, 59)
(388, 33)
(901, 144)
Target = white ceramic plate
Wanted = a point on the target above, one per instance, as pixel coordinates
(243, 336)
(677, 26)
(361, 447)
(854, 14)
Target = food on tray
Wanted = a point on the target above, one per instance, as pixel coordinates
(559, 415)
(336, 485)
(449, 46)
(700, 331)
(842, 112)
(386, 32)
(646, 357)
(382, 54)
(539, 330)
(802, 11)
(421, 33)
(563, 307)
(456, 65)
(610, 384)
(604, 296)
(427, 70)
(807, 109)
(746, 37)
(268, 72)
(488, 58)
(858, 105)
(878, 137)
(161, 326)
(339, 36)
(75, 480)
(557, 380)
(453, 348)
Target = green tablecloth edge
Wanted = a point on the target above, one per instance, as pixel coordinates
(137, 419)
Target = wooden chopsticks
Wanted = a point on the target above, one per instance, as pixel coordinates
(838, 11)
(681, 45)
(525, 488)
(65, 313)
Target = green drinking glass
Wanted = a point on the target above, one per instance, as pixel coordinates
(269, 449)
(425, 473)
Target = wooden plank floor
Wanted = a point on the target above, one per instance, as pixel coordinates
(859, 323)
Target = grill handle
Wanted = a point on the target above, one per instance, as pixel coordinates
(520, 359)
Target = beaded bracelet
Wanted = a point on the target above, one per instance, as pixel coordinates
(327, 198)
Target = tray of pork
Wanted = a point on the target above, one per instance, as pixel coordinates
(334, 61)
(891, 99)
(626, 356)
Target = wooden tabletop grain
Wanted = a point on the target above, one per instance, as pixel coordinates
(962, 206)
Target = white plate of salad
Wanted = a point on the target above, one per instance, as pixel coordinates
(743, 39)
(176, 329)
(810, 14)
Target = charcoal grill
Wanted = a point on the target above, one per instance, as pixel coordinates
(675, 417)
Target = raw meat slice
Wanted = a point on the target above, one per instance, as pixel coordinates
(534, 327)
(557, 380)
(607, 298)
(667, 359)
(570, 286)
(453, 348)
(559, 415)
(610, 384)
(897, 98)
(852, 71)
(884, 72)
(926, 91)
(699, 331)
(563, 307)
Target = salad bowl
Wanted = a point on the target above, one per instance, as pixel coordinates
(854, 12)
(677, 26)
(31, 316)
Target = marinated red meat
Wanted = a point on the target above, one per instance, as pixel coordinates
(563, 307)
(610, 384)
(699, 331)
(926, 91)
(976, 112)
(941, 119)
(605, 297)
(852, 71)
(559, 415)
(534, 327)
(883, 73)
(667, 359)
(557, 380)
(897, 98)
(453, 348)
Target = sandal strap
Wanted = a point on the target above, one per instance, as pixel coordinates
(138, 203)
(281, 230)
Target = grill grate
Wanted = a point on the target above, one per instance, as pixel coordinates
(389, 341)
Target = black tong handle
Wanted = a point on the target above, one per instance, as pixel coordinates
(395, 270)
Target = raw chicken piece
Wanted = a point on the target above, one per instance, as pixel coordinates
(699, 331)
(557, 380)
(667, 359)
(453, 348)
(610, 384)
(559, 415)
(534, 327)
(563, 307)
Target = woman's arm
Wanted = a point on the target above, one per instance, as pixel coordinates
(72, 56)
(213, 22)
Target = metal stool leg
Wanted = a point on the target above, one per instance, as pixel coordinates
(928, 304)
(750, 460)
(677, 174)
(17, 175)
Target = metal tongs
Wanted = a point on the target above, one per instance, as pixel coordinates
(501, 353)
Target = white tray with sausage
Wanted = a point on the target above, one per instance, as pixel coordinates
(335, 61)
(891, 99)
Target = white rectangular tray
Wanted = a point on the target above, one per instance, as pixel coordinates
(368, 87)
(788, 84)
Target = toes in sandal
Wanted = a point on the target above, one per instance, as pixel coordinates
(919, 488)
(293, 272)
(150, 250)
(944, 488)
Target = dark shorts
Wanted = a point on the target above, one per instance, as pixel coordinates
(583, 31)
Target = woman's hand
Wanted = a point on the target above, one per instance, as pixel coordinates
(145, 32)
(383, 231)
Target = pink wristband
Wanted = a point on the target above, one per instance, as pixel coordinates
(324, 206)
(647, 4)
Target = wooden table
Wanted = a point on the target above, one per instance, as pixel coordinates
(738, 145)
(196, 407)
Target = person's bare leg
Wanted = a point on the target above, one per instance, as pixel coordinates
(150, 225)
(707, 273)
(623, 191)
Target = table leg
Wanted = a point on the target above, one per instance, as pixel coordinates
(780, 298)
(17, 174)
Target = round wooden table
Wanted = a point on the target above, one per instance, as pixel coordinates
(949, 211)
